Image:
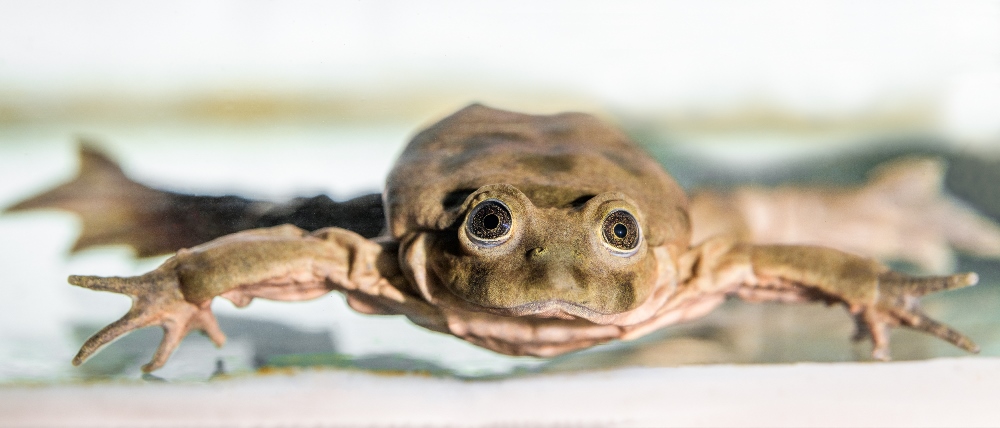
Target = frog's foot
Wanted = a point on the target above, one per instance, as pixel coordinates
(156, 300)
(897, 304)
(113, 208)
(928, 225)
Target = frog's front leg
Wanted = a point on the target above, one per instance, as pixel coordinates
(279, 263)
(877, 297)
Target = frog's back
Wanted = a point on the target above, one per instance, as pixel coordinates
(555, 160)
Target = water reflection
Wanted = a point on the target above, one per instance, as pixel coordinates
(737, 333)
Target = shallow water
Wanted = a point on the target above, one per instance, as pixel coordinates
(44, 319)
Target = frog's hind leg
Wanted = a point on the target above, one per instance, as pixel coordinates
(117, 210)
(901, 213)
(113, 208)
(932, 223)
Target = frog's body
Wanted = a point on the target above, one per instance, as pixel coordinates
(553, 172)
(523, 234)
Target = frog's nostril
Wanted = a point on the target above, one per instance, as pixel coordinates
(536, 252)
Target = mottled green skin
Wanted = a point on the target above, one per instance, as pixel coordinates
(560, 175)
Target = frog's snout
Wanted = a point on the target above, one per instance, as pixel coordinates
(554, 269)
(549, 256)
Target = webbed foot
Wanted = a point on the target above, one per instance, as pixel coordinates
(113, 208)
(897, 304)
(925, 225)
(156, 300)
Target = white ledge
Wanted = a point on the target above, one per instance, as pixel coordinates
(942, 392)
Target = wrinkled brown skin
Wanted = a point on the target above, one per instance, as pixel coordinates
(555, 286)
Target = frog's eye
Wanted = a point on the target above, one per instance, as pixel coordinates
(489, 223)
(621, 232)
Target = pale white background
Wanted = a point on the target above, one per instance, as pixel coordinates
(825, 57)
(620, 59)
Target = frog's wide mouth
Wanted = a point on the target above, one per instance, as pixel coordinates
(554, 308)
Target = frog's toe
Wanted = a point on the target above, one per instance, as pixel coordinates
(133, 320)
(921, 322)
(906, 289)
(179, 320)
(874, 326)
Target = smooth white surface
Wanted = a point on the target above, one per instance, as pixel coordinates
(947, 392)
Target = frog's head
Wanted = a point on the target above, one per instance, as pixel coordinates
(588, 258)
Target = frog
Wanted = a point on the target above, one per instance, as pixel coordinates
(530, 235)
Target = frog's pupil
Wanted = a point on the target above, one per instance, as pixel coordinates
(621, 230)
(491, 221)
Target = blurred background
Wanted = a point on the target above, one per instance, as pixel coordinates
(779, 66)
(279, 99)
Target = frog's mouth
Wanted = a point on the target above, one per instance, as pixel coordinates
(555, 308)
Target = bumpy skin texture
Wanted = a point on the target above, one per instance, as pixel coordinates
(593, 243)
